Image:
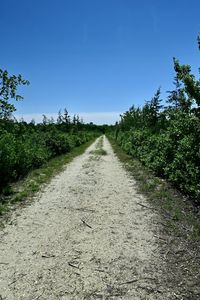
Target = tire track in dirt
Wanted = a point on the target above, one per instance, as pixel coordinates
(89, 235)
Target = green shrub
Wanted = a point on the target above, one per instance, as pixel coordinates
(26, 147)
(173, 153)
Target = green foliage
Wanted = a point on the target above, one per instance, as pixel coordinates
(58, 143)
(191, 85)
(24, 147)
(167, 140)
(173, 153)
(8, 90)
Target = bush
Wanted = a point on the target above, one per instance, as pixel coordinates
(173, 153)
(27, 147)
(58, 143)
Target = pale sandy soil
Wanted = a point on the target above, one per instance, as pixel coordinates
(89, 235)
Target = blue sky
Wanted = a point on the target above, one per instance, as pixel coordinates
(95, 57)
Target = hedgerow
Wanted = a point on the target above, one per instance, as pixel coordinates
(24, 147)
(167, 139)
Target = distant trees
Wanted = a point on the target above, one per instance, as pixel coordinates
(26, 146)
(147, 116)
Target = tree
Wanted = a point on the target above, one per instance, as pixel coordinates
(32, 121)
(60, 118)
(191, 85)
(177, 97)
(66, 117)
(131, 118)
(44, 120)
(152, 109)
(74, 120)
(8, 91)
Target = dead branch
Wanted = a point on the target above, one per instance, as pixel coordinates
(146, 206)
(129, 282)
(86, 223)
(22, 275)
(73, 266)
(48, 256)
(99, 270)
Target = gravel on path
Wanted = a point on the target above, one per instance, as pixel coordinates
(88, 235)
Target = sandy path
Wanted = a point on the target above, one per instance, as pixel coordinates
(86, 237)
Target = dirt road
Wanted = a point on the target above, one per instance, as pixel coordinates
(89, 235)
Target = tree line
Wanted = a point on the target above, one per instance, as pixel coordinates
(166, 137)
(25, 146)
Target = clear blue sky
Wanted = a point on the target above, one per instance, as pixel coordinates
(97, 56)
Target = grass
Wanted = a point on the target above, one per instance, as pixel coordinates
(177, 230)
(180, 215)
(178, 233)
(99, 152)
(100, 143)
(25, 189)
(99, 148)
